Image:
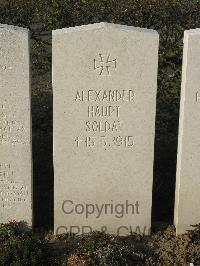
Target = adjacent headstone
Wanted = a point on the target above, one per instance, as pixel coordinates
(187, 208)
(104, 83)
(15, 133)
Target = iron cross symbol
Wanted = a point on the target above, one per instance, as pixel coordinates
(105, 64)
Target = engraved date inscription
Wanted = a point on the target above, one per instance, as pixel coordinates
(12, 131)
(12, 194)
(105, 141)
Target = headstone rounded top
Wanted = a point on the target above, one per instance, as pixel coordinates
(13, 28)
(103, 25)
(191, 34)
(192, 31)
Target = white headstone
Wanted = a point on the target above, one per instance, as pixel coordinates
(15, 133)
(187, 208)
(104, 83)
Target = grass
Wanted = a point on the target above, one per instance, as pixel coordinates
(164, 248)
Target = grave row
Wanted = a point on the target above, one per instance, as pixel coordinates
(104, 87)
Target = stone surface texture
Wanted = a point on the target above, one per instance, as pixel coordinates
(187, 207)
(15, 126)
(104, 85)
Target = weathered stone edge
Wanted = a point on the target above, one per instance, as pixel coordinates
(14, 28)
(192, 31)
(98, 26)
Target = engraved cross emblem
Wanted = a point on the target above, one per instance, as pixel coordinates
(105, 64)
